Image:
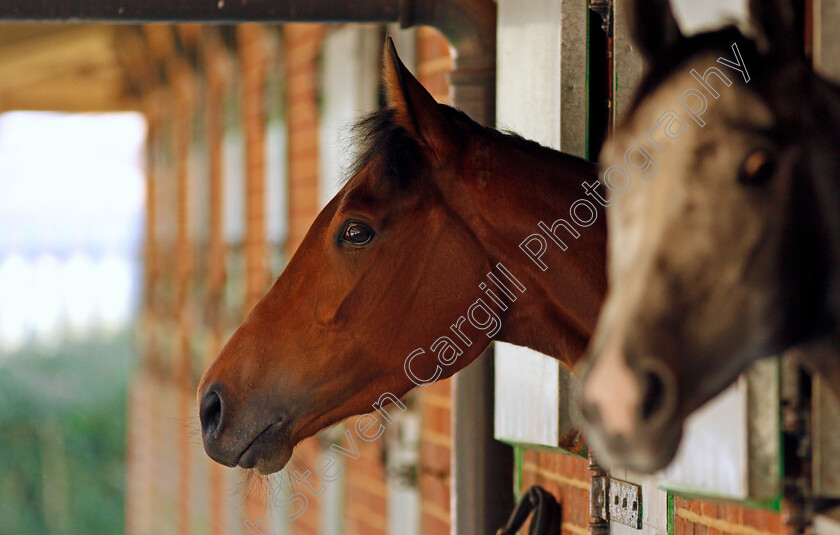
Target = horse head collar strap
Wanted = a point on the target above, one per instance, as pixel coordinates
(546, 514)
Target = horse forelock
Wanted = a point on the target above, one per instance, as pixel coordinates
(392, 160)
(782, 82)
(672, 59)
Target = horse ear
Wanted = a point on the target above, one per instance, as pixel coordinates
(415, 109)
(774, 23)
(653, 26)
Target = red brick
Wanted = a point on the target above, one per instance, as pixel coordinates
(435, 490)
(577, 512)
(434, 458)
(431, 525)
(694, 507)
(436, 419)
(708, 510)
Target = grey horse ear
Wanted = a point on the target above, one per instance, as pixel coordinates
(653, 26)
(775, 26)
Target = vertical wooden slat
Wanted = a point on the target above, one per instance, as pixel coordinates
(216, 76)
(253, 60)
(182, 365)
(301, 45)
(139, 440)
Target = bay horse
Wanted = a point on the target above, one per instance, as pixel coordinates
(724, 248)
(404, 278)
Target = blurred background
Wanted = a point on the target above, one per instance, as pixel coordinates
(71, 214)
(153, 181)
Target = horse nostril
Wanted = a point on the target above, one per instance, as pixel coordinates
(210, 413)
(656, 397)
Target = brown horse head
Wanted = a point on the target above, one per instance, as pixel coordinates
(725, 194)
(385, 292)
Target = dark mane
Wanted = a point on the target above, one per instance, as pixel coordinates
(506, 137)
(718, 41)
(380, 141)
(773, 77)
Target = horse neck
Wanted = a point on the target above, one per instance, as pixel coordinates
(557, 312)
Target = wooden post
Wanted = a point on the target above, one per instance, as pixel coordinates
(253, 64)
(301, 45)
(182, 366)
(217, 72)
(140, 479)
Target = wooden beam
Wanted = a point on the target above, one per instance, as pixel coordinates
(74, 69)
(96, 92)
(138, 68)
(35, 61)
(221, 11)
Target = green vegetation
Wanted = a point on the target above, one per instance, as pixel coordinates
(62, 438)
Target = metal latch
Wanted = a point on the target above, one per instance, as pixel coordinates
(613, 500)
(625, 503)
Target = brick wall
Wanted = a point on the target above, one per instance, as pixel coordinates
(701, 518)
(217, 67)
(253, 61)
(565, 476)
(367, 492)
(301, 45)
(435, 451)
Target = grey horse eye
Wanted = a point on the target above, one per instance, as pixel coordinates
(757, 169)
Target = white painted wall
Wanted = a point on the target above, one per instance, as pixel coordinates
(541, 74)
(694, 16)
(350, 82)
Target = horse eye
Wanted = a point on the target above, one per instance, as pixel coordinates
(357, 234)
(757, 169)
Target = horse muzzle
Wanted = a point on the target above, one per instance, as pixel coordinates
(238, 439)
(630, 411)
